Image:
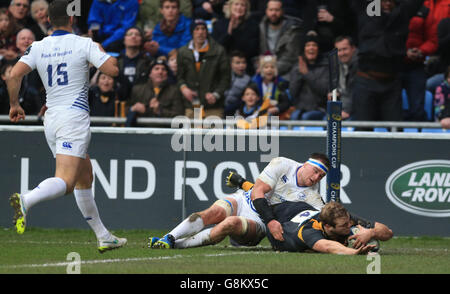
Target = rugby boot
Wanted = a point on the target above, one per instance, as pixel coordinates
(152, 241)
(19, 218)
(109, 244)
(166, 242)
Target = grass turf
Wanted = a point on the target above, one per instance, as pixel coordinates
(45, 251)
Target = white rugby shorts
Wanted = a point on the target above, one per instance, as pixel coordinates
(67, 131)
(246, 209)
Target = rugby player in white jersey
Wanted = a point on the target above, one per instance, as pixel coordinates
(284, 180)
(232, 216)
(62, 61)
(238, 216)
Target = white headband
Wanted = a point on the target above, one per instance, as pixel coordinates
(318, 163)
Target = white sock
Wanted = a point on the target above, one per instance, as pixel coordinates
(48, 189)
(199, 239)
(86, 204)
(192, 225)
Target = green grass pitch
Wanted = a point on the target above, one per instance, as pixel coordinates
(45, 251)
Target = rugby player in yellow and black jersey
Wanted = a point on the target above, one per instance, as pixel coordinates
(325, 230)
(304, 227)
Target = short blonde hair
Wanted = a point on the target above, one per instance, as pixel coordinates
(227, 8)
(267, 59)
(38, 3)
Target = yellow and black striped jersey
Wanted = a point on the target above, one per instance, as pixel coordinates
(303, 230)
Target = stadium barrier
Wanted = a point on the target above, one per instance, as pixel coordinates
(151, 178)
(311, 125)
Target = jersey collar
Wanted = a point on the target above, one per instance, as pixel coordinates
(60, 33)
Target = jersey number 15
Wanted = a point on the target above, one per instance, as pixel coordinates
(60, 72)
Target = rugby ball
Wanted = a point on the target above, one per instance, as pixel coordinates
(353, 231)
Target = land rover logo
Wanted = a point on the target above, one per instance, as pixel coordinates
(422, 188)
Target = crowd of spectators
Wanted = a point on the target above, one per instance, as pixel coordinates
(250, 58)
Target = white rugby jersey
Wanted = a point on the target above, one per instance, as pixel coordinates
(62, 61)
(281, 175)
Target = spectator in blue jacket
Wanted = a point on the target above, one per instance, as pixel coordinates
(108, 20)
(172, 32)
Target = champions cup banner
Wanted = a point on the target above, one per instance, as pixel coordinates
(402, 181)
(334, 121)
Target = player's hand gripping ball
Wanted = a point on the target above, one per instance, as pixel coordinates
(355, 230)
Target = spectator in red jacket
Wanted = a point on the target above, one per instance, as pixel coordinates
(422, 42)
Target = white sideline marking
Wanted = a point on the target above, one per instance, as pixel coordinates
(97, 261)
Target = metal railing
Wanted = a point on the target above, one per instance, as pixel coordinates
(282, 124)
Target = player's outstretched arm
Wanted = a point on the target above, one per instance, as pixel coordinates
(14, 83)
(333, 247)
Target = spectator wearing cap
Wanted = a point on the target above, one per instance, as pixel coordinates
(156, 97)
(108, 20)
(238, 31)
(172, 32)
(203, 71)
(133, 63)
(309, 82)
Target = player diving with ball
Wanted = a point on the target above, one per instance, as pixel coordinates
(284, 205)
(237, 214)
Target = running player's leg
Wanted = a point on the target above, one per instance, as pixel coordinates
(85, 200)
(196, 222)
(62, 183)
(68, 169)
(86, 203)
